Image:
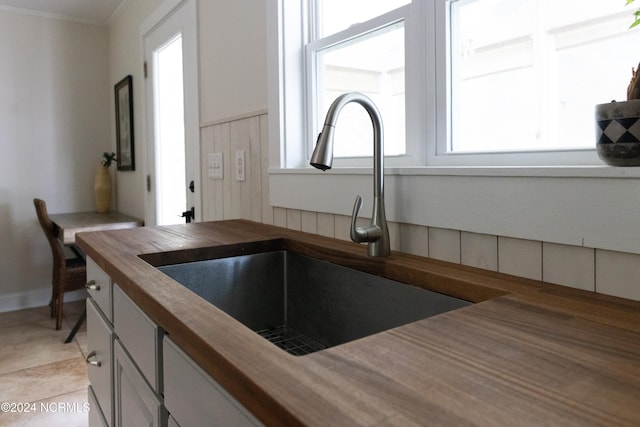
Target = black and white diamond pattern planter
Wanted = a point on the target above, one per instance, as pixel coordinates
(618, 133)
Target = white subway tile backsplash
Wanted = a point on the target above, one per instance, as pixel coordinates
(444, 244)
(326, 224)
(520, 257)
(342, 227)
(572, 266)
(294, 219)
(309, 222)
(479, 250)
(618, 274)
(267, 215)
(280, 217)
(414, 239)
(394, 235)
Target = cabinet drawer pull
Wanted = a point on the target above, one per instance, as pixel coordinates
(92, 286)
(93, 362)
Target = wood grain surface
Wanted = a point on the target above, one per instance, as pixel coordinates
(68, 224)
(527, 353)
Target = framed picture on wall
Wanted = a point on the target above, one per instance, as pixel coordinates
(124, 124)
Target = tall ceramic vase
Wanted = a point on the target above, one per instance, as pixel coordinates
(102, 189)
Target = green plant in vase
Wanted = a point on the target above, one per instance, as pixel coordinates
(633, 91)
(108, 158)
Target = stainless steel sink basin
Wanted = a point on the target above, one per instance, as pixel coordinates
(303, 304)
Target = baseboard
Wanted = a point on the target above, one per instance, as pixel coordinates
(35, 298)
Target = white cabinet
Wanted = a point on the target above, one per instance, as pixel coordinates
(99, 345)
(136, 403)
(138, 375)
(96, 417)
(100, 359)
(172, 422)
(193, 398)
(99, 287)
(140, 336)
(124, 357)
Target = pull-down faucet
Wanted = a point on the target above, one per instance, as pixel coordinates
(377, 233)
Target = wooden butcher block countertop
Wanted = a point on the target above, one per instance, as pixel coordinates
(528, 353)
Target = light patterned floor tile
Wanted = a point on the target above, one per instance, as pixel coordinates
(37, 368)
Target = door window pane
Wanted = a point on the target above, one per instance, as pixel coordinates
(169, 105)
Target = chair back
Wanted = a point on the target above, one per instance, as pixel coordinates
(49, 231)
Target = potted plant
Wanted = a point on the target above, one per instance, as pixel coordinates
(636, 14)
(102, 183)
(618, 123)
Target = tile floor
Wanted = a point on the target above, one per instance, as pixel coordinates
(37, 368)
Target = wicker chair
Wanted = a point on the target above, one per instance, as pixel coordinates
(68, 274)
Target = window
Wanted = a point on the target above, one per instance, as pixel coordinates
(530, 80)
(358, 46)
(458, 82)
(332, 16)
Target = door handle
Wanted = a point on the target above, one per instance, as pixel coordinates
(192, 186)
(91, 359)
(189, 215)
(92, 286)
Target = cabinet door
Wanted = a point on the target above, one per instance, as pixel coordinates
(194, 398)
(136, 404)
(100, 359)
(96, 417)
(139, 335)
(99, 288)
(172, 422)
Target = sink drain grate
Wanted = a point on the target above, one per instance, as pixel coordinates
(291, 341)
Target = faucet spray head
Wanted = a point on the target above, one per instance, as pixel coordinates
(322, 157)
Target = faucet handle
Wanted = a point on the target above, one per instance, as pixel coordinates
(356, 233)
(362, 234)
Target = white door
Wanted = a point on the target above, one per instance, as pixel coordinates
(172, 119)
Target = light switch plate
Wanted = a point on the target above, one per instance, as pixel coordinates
(240, 169)
(215, 166)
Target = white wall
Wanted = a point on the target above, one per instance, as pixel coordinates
(232, 56)
(57, 116)
(233, 59)
(125, 57)
(54, 127)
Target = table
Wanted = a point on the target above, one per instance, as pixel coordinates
(68, 224)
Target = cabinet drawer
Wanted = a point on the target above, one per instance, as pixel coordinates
(140, 335)
(172, 422)
(96, 417)
(136, 404)
(100, 358)
(99, 288)
(193, 398)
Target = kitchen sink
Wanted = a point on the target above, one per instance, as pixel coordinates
(303, 304)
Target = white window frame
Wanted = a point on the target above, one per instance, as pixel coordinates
(591, 205)
(427, 100)
(414, 150)
(438, 153)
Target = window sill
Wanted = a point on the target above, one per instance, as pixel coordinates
(596, 171)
